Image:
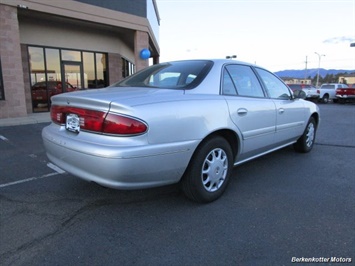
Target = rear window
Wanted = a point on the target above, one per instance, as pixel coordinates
(172, 75)
(295, 87)
(327, 87)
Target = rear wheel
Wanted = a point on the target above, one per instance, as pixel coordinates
(208, 173)
(305, 143)
(325, 98)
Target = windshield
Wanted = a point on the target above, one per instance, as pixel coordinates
(172, 75)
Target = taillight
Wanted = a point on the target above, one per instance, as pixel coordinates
(98, 121)
(57, 114)
(123, 125)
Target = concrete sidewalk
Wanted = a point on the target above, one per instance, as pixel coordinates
(29, 119)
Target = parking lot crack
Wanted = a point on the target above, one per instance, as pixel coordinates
(335, 145)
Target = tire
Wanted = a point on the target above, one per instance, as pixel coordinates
(306, 142)
(325, 98)
(209, 170)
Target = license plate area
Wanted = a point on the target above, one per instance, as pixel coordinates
(73, 123)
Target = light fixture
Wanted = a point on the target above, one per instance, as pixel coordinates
(22, 6)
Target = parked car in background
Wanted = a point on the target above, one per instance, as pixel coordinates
(311, 92)
(346, 94)
(327, 91)
(185, 121)
(44, 89)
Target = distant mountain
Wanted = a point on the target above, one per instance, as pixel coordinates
(310, 72)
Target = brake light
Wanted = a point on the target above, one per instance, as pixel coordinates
(57, 114)
(122, 125)
(98, 121)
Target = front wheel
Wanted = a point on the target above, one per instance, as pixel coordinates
(208, 173)
(306, 142)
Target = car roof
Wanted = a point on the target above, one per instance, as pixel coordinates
(216, 61)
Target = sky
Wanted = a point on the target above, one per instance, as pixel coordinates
(275, 34)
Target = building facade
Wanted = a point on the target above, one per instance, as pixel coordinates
(50, 47)
(348, 79)
(297, 81)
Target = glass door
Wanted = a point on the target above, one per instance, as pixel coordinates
(72, 76)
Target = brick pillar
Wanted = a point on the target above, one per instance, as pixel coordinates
(141, 41)
(12, 73)
(115, 67)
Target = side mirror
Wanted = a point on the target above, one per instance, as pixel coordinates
(299, 94)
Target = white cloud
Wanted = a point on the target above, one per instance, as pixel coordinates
(341, 39)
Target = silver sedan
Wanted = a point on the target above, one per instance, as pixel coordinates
(185, 121)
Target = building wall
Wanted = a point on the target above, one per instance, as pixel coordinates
(11, 60)
(26, 77)
(46, 33)
(348, 79)
(80, 25)
(135, 7)
(115, 66)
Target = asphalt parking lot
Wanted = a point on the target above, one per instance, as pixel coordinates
(279, 209)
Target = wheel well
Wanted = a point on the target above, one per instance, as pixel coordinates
(230, 136)
(316, 118)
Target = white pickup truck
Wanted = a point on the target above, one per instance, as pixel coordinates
(327, 91)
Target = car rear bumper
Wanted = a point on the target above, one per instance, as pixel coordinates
(312, 96)
(345, 96)
(119, 167)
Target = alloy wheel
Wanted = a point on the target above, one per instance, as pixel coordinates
(214, 170)
(310, 135)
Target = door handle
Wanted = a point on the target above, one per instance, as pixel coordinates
(281, 111)
(242, 111)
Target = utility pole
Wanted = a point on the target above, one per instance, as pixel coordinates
(305, 71)
(319, 56)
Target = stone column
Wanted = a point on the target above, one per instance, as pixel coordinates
(115, 68)
(14, 104)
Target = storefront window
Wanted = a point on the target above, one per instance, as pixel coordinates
(101, 70)
(36, 64)
(38, 79)
(55, 71)
(127, 68)
(89, 70)
(53, 65)
(69, 55)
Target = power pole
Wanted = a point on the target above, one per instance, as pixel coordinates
(305, 71)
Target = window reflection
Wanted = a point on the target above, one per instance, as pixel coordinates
(55, 71)
(127, 68)
(89, 70)
(53, 65)
(38, 79)
(101, 70)
(36, 64)
(69, 55)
